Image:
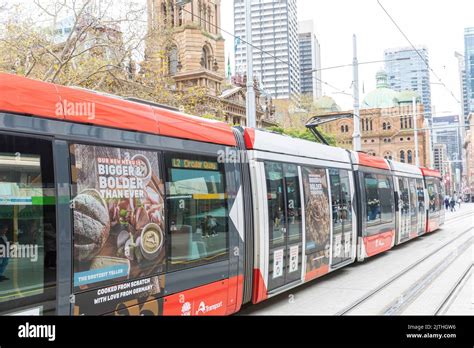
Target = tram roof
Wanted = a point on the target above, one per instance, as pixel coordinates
(405, 168)
(37, 98)
(256, 139)
(430, 172)
(366, 160)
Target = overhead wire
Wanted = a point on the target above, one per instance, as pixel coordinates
(260, 49)
(417, 51)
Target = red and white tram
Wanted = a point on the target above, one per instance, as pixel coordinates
(117, 207)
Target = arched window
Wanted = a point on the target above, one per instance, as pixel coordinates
(346, 128)
(173, 61)
(389, 126)
(342, 129)
(206, 59)
(371, 125)
(406, 122)
(402, 156)
(384, 126)
(409, 121)
(401, 122)
(409, 156)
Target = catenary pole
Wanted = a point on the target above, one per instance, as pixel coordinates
(355, 66)
(415, 128)
(250, 96)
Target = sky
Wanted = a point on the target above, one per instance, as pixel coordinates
(438, 25)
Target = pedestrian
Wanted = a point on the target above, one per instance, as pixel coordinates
(446, 202)
(459, 202)
(452, 204)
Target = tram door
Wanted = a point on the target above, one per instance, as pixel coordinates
(285, 224)
(27, 226)
(413, 208)
(421, 206)
(341, 215)
(404, 209)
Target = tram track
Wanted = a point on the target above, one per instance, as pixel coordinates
(413, 265)
(460, 217)
(451, 296)
(400, 303)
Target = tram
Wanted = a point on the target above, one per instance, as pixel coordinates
(111, 206)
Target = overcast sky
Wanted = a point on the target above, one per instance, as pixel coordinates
(437, 24)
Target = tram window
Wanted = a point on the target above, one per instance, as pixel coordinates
(379, 199)
(372, 198)
(276, 203)
(413, 196)
(27, 222)
(294, 202)
(386, 198)
(441, 194)
(421, 195)
(198, 210)
(433, 195)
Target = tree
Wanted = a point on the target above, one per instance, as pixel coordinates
(99, 47)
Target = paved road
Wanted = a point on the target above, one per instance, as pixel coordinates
(420, 276)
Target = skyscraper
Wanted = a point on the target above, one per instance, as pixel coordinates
(408, 71)
(469, 65)
(310, 59)
(463, 85)
(275, 36)
(445, 131)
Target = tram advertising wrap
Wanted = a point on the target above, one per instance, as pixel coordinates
(317, 216)
(118, 215)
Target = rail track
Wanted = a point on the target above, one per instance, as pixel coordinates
(398, 275)
(454, 291)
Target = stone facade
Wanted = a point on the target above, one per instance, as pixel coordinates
(194, 55)
(385, 132)
(234, 99)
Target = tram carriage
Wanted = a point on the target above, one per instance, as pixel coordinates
(134, 208)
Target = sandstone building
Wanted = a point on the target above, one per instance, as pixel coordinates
(387, 126)
(185, 43)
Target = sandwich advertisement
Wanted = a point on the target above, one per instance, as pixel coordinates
(118, 210)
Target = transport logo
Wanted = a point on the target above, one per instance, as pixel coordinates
(206, 309)
(186, 309)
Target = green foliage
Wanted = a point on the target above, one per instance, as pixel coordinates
(303, 134)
